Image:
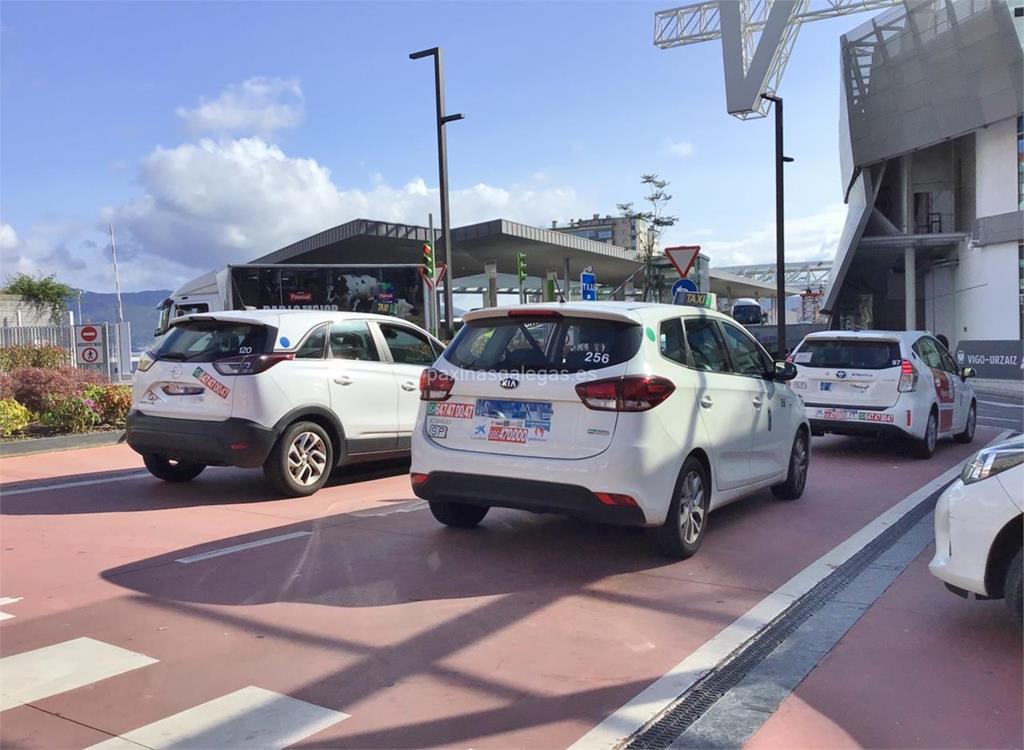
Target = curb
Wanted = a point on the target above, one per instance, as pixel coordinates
(60, 443)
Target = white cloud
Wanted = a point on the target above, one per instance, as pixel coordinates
(680, 148)
(813, 237)
(8, 237)
(257, 106)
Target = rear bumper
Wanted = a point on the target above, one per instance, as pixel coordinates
(526, 494)
(231, 442)
(870, 429)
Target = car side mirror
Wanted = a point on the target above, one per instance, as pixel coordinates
(968, 372)
(784, 371)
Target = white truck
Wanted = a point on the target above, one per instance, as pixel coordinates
(389, 289)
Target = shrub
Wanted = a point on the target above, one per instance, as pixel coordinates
(13, 417)
(47, 357)
(33, 387)
(70, 414)
(113, 404)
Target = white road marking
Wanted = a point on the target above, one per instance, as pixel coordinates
(4, 601)
(37, 674)
(250, 717)
(1001, 403)
(983, 418)
(241, 547)
(409, 507)
(663, 692)
(65, 485)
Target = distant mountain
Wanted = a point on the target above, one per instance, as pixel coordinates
(139, 310)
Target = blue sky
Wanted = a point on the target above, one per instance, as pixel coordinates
(212, 133)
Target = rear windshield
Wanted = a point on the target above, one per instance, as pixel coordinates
(543, 344)
(206, 341)
(859, 353)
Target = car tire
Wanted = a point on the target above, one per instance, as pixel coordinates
(458, 515)
(1013, 590)
(687, 521)
(301, 461)
(925, 447)
(171, 471)
(799, 463)
(972, 421)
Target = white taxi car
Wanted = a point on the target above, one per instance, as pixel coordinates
(296, 392)
(978, 528)
(885, 382)
(629, 413)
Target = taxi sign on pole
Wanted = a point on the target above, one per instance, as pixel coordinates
(588, 286)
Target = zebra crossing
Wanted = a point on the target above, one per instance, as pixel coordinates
(249, 717)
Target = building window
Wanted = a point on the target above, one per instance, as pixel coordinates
(1020, 163)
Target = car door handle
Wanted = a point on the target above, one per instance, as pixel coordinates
(757, 403)
(706, 401)
(343, 380)
(408, 385)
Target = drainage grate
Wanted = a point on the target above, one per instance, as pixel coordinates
(696, 701)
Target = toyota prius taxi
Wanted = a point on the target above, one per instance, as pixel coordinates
(902, 383)
(627, 413)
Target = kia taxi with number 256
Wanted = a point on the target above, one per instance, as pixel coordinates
(628, 413)
(902, 383)
(296, 392)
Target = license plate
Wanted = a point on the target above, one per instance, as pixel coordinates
(855, 415)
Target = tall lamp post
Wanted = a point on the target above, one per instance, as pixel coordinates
(780, 237)
(442, 169)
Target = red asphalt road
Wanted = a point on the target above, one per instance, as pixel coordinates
(524, 633)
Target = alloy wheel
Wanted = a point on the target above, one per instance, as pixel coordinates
(691, 507)
(307, 458)
(800, 462)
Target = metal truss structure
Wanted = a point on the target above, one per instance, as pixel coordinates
(809, 275)
(745, 26)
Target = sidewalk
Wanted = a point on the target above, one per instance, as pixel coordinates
(1010, 388)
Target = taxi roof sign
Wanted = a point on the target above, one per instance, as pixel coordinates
(696, 299)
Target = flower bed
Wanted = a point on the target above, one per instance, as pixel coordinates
(41, 396)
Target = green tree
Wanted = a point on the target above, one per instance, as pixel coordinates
(656, 220)
(44, 293)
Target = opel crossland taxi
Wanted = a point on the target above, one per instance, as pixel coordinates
(294, 392)
(902, 383)
(629, 413)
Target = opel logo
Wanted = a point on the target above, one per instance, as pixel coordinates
(841, 374)
(509, 383)
(176, 372)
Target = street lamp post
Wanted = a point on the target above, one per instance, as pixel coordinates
(780, 237)
(442, 169)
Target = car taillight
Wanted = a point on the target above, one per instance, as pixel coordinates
(435, 385)
(908, 376)
(630, 393)
(250, 364)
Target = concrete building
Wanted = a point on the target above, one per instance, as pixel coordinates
(932, 152)
(614, 230)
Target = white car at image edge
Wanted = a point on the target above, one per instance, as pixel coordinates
(978, 528)
(902, 383)
(628, 413)
(297, 393)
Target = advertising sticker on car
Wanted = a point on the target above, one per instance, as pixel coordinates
(211, 382)
(523, 422)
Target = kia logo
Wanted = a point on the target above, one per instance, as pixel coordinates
(509, 383)
(841, 374)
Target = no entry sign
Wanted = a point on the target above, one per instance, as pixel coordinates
(89, 348)
(88, 335)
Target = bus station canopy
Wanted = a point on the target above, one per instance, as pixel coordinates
(376, 242)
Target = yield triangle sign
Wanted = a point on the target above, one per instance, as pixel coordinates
(682, 257)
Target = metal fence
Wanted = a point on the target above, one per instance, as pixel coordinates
(114, 345)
